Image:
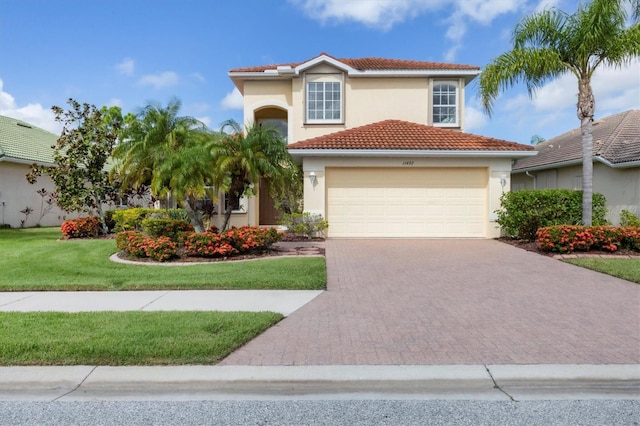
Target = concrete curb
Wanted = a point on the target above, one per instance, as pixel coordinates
(495, 382)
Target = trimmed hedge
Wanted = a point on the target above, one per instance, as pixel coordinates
(567, 238)
(522, 213)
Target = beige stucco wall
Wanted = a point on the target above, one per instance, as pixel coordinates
(366, 100)
(16, 194)
(315, 195)
(620, 186)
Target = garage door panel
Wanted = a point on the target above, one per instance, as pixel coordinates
(422, 202)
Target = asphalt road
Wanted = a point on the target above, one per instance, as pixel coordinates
(328, 412)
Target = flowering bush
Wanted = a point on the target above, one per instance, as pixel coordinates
(569, 238)
(160, 249)
(132, 243)
(242, 240)
(86, 227)
(235, 241)
(207, 244)
(630, 237)
(135, 244)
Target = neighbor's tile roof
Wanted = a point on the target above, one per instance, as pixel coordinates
(616, 138)
(22, 141)
(372, 64)
(403, 135)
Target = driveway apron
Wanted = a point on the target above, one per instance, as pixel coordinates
(417, 302)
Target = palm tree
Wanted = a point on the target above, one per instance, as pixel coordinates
(168, 153)
(551, 43)
(242, 159)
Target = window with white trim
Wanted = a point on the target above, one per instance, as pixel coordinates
(445, 104)
(324, 100)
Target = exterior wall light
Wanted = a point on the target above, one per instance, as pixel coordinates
(312, 178)
(503, 180)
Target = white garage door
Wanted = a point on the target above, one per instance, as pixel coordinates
(416, 202)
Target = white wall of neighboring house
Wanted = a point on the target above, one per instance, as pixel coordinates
(16, 194)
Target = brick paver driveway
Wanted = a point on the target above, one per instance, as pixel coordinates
(454, 302)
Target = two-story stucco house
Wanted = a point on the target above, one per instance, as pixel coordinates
(382, 145)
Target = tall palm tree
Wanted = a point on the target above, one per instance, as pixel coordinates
(551, 43)
(168, 153)
(243, 158)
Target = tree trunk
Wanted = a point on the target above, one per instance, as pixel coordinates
(104, 229)
(586, 109)
(196, 218)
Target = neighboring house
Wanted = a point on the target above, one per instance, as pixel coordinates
(21, 145)
(382, 146)
(616, 163)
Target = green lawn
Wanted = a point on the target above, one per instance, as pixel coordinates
(35, 259)
(627, 269)
(126, 338)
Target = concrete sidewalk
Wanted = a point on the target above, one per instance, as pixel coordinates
(281, 301)
(475, 382)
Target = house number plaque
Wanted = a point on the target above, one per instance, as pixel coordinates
(407, 163)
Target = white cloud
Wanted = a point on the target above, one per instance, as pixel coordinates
(474, 118)
(546, 5)
(126, 67)
(381, 14)
(32, 113)
(233, 100)
(384, 14)
(114, 102)
(205, 120)
(199, 77)
(158, 81)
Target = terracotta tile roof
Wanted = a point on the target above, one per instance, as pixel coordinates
(403, 135)
(22, 141)
(371, 64)
(616, 138)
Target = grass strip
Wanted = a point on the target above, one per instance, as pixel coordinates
(126, 338)
(35, 259)
(627, 269)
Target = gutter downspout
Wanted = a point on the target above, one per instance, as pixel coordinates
(535, 181)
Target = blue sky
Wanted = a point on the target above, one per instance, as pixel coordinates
(132, 52)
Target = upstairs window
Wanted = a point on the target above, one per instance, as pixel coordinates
(324, 100)
(445, 104)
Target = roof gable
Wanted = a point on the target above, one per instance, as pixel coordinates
(398, 135)
(23, 142)
(616, 140)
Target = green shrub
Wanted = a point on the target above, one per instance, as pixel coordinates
(628, 219)
(522, 213)
(108, 220)
(177, 214)
(307, 224)
(131, 219)
(166, 228)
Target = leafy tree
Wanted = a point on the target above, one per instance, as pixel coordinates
(166, 152)
(551, 43)
(80, 155)
(243, 158)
